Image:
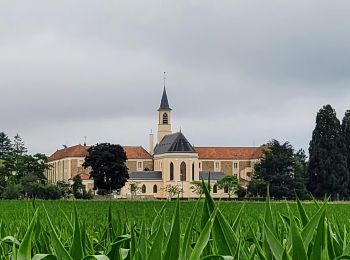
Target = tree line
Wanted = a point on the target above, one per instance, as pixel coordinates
(326, 173)
(23, 175)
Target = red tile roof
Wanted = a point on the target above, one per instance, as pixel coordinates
(230, 153)
(73, 151)
(136, 152)
(132, 152)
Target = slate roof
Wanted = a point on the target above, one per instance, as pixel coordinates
(146, 175)
(213, 175)
(230, 153)
(174, 143)
(132, 152)
(164, 104)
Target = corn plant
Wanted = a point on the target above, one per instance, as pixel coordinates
(207, 234)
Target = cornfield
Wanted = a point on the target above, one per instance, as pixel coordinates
(206, 233)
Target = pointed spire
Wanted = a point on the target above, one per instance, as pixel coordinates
(164, 104)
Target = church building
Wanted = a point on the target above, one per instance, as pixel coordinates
(171, 162)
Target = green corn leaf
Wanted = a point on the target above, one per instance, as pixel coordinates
(268, 211)
(155, 223)
(319, 241)
(115, 247)
(203, 237)
(67, 219)
(24, 250)
(10, 240)
(133, 248)
(186, 248)
(123, 253)
(237, 220)
(44, 256)
(96, 257)
(142, 242)
(343, 257)
(309, 230)
(60, 250)
(225, 239)
(258, 249)
(272, 241)
(157, 246)
(217, 257)
(76, 250)
(334, 244)
(299, 252)
(173, 244)
(303, 216)
(285, 255)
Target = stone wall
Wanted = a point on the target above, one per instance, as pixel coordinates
(207, 166)
(227, 167)
(132, 165)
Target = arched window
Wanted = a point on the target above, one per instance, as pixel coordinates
(155, 188)
(226, 189)
(192, 171)
(215, 188)
(165, 119)
(183, 171)
(143, 189)
(171, 171)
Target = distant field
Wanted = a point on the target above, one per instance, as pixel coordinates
(93, 213)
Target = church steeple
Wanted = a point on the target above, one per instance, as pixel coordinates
(164, 103)
(164, 116)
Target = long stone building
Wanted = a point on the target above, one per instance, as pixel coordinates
(172, 161)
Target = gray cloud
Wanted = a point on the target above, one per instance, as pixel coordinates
(238, 73)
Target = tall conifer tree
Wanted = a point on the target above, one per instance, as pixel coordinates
(327, 171)
(5, 144)
(18, 146)
(346, 131)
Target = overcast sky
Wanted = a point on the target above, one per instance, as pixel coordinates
(239, 73)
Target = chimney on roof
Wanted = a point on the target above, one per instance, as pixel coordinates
(151, 142)
(84, 140)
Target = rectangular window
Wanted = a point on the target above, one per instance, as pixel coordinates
(80, 163)
(235, 165)
(217, 166)
(139, 165)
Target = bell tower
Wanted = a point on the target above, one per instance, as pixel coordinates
(164, 116)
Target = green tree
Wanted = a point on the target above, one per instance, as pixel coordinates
(64, 188)
(257, 186)
(108, 166)
(230, 184)
(346, 132)
(12, 190)
(18, 147)
(21, 165)
(32, 186)
(77, 187)
(327, 170)
(196, 187)
(281, 169)
(241, 191)
(173, 190)
(134, 188)
(5, 144)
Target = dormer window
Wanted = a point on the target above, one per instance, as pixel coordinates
(165, 119)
